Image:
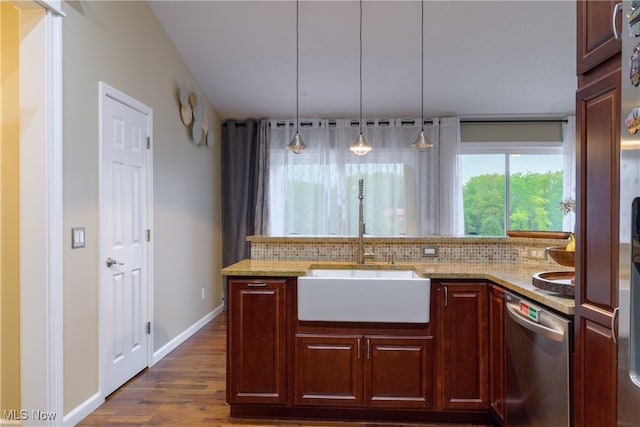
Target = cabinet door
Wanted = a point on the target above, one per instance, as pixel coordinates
(328, 370)
(399, 372)
(596, 42)
(598, 137)
(463, 320)
(497, 353)
(256, 341)
(595, 370)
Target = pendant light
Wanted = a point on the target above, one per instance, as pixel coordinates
(297, 144)
(422, 143)
(360, 146)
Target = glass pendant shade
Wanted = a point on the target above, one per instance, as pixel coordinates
(297, 144)
(360, 146)
(422, 142)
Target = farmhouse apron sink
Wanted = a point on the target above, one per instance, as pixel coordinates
(363, 295)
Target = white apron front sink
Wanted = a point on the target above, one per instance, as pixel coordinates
(363, 295)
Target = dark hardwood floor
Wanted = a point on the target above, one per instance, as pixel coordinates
(186, 388)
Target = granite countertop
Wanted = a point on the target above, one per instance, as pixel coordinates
(512, 276)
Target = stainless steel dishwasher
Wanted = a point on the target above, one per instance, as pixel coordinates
(538, 356)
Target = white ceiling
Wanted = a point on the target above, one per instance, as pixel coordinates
(482, 58)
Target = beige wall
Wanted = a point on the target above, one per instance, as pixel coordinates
(122, 44)
(9, 211)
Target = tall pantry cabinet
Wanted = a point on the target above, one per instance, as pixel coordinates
(598, 141)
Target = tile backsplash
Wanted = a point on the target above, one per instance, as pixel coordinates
(448, 249)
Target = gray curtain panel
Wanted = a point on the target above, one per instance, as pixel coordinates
(241, 146)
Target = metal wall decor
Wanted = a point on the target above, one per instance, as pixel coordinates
(193, 115)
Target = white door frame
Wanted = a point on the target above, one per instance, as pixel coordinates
(41, 233)
(108, 91)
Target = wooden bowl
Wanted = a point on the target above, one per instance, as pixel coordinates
(560, 255)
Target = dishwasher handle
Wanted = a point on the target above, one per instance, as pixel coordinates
(520, 319)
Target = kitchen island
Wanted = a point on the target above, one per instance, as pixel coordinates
(451, 369)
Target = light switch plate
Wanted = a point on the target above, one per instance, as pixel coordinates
(77, 237)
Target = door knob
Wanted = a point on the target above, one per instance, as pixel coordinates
(111, 261)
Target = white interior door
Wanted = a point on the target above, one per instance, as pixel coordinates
(124, 244)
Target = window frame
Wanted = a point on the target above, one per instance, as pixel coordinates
(507, 149)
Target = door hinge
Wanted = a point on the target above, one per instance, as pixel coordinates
(148, 328)
(148, 143)
(148, 233)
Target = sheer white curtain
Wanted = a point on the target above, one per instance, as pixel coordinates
(569, 169)
(451, 206)
(316, 192)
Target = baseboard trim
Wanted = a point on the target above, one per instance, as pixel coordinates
(94, 402)
(174, 343)
(81, 411)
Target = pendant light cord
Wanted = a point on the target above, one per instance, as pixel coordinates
(297, 67)
(361, 66)
(422, 67)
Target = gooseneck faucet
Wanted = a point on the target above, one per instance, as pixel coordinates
(360, 255)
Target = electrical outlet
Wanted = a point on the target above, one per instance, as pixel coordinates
(536, 253)
(429, 251)
(202, 294)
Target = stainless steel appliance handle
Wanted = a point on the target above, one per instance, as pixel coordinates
(553, 334)
(617, 9)
(614, 332)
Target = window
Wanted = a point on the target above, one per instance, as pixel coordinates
(529, 199)
(323, 199)
(495, 186)
(316, 192)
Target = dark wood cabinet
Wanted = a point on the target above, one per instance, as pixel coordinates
(398, 372)
(463, 315)
(257, 341)
(598, 122)
(279, 366)
(328, 370)
(598, 143)
(596, 42)
(362, 370)
(497, 353)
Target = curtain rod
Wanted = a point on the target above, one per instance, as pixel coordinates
(306, 122)
(516, 121)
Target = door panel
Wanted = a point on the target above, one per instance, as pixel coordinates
(464, 317)
(124, 218)
(595, 33)
(257, 342)
(328, 370)
(399, 371)
(596, 367)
